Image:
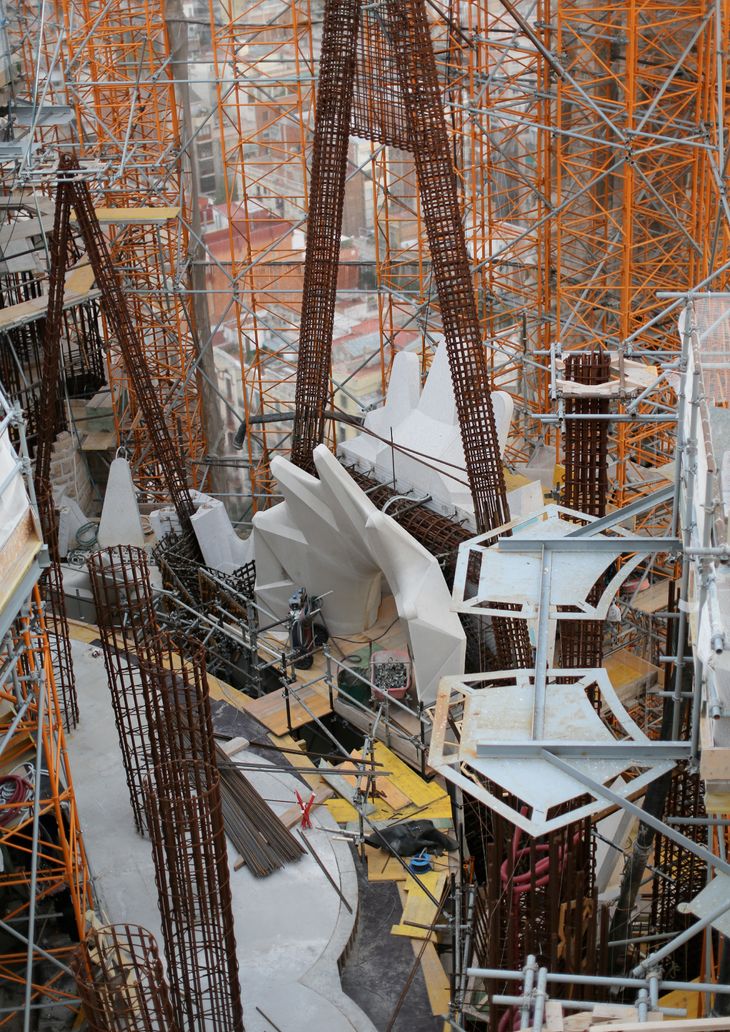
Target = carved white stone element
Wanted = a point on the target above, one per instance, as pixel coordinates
(328, 537)
(221, 547)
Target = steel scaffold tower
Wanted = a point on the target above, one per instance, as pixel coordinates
(45, 888)
(639, 159)
(112, 64)
(589, 143)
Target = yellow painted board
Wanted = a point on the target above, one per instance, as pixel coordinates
(680, 998)
(391, 872)
(146, 215)
(409, 932)
(376, 860)
(342, 811)
(436, 979)
(433, 881)
(406, 779)
(419, 910)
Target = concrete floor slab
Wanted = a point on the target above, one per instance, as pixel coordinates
(291, 927)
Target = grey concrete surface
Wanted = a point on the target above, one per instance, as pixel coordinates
(291, 928)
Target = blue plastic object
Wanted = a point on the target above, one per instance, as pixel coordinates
(420, 864)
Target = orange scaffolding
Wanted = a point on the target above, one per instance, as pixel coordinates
(44, 866)
(635, 113)
(589, 146)
(112, 64)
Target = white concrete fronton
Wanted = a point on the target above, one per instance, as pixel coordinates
(291, 927)
(120, 522)
(328, 537)
(428, 457)
(221, 548)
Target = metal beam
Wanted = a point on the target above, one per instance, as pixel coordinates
(629, 752)
(617, 545)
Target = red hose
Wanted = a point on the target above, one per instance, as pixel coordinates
(521, 883)
(19, 794)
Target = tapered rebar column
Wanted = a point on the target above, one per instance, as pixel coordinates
(121, 982)
(120, 582)
(185, 819)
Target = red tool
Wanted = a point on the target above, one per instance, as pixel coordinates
(306, 809)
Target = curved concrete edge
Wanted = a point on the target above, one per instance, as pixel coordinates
(337, 948)
(322, 978)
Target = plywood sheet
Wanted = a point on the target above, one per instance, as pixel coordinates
(654, 599)
(270, 709)
(630, 675)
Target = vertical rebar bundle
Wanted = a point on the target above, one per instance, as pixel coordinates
(56, 620)
(405, 49)
(327, 195)
(121, 982)
(539, 897)
(585, 441)
(184, 815)
(120, 582)
(586, 489)
(177, 704)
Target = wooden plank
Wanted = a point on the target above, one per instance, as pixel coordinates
(287, 742)
(553, 1017)
(409, 932)
(140, 215)
(77, 288)
(437, 981)
(419, 910)
(677, 1025)
(654, 599)
(270, 709)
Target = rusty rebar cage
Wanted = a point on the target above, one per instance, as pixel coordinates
(185, 818)
(120, 980)
(54, 611)
(177, 703)
(120, 582)
(585, 447)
